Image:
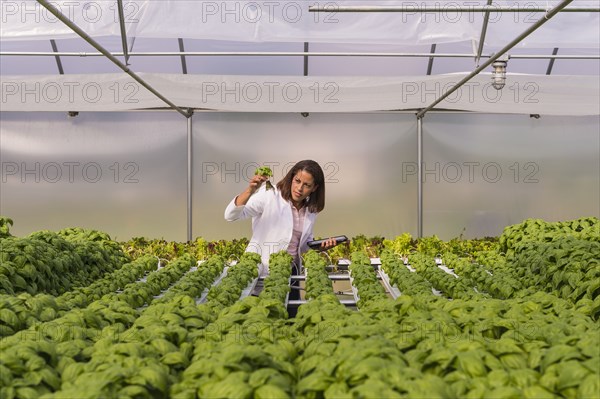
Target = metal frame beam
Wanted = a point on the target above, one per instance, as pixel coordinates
(183, 61)
(190, 171)
(554, 57)
(123, 31)
(288, 54)
(486, 19)
(430, 63)
(448, 9)
(551, 62)
(305, 58)
(57, 57)
(419, 177)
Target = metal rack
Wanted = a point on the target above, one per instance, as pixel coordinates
(343, 266)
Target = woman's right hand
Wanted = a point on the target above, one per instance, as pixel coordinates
(255, 183)
(253, 186)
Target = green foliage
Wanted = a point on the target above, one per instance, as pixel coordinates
(5, 224)
(265, 171)
(365, 280)
(369, 245)
(317, 279)
(431, 246)
(53, 263)
(542, 231)
(400, 245)
(517, 324)
(200, 248)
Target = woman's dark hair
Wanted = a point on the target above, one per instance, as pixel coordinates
(316, 201)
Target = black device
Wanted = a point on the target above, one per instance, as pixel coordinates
(316, 244)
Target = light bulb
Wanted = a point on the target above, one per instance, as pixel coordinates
(499, 74)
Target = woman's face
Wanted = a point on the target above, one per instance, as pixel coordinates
(303, 185)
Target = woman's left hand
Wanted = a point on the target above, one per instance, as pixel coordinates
(328, 244)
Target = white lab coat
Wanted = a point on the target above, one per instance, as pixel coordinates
(272, 224)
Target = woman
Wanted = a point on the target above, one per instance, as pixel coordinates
(282, 218)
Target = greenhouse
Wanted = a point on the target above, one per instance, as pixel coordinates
(459, 144)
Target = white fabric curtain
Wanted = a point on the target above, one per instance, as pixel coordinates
(523, 94)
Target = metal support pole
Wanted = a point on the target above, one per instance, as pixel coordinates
(47, 5)
(189, 175)
(123, 30)
(486, 19)
(415, 8)
(306, 59)
(287, 54)
(419, 177)
(430, 64)
(500, 53)
(551, 63)
(57, 58)
(183, 61)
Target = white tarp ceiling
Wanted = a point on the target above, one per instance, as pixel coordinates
(67, 82)
(114, 92)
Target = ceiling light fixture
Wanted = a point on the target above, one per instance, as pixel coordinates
(499, 74)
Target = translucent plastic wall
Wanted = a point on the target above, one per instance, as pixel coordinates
(123, 173)
(483, 172)
(361, 156)
(126, 173)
